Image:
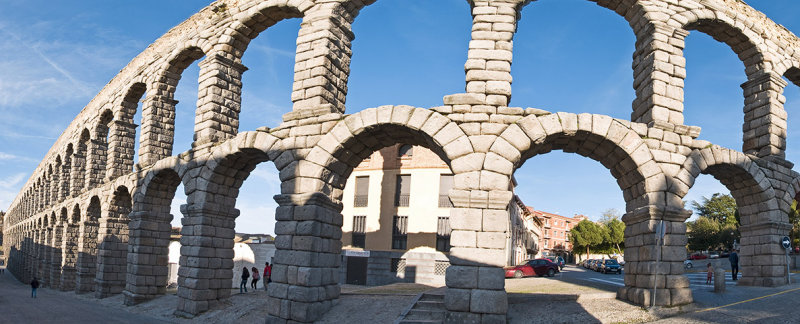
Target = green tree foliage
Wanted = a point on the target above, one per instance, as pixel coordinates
(587, 234)
(616, 233)
(703, 233)
(720, 207)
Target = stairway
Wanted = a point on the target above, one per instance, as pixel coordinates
(427, 308)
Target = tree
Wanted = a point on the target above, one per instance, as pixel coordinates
(720, 207)
(703, 233)
(609, 215)
(616, 233)
(587, 234)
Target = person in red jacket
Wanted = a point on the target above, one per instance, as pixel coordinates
(267, 274)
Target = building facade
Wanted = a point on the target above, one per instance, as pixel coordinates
(396, 225)
(555, 234)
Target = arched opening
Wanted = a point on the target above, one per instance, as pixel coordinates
(792, 95)
(86, 263)
(713, 95)
(57, 259)
(112, 249)
(123, 140)
(150, 234)
(183, 77)
(80, 167)
(597, 67)
(434, 45)
(266, 88)
(67, 172)
(70, 246)
(99, 158)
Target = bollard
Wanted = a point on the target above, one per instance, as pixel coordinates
(719, 281)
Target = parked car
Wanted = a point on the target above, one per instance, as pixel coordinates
(557, 260)
(585, 263)
(698, 256)
(610, 265)
(538, 267)
(596, 265)
(713, 255)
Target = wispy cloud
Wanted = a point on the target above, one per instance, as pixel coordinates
(11, 157)
(11, 181)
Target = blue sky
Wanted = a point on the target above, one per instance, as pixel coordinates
(570, 55)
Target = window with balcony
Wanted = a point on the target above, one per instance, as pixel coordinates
(359, 231)
(443, 234)
(445, 184)
(400, 232)
(362, 192)
(403, 191)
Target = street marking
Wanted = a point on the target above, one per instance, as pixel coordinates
(749, 300)
(606, 281)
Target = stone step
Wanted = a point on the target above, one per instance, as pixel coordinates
(429, 304)
(426, 314)
(420, 321)
(432, 297)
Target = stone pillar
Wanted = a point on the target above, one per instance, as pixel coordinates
(148, 257)
(647, 263)
(488, 65)
(56, 255)
(69, 248)
(78, 173)
(322, 63)
(764, 130)
(206, 263)
(762, 260)
(47, 255)
(66, 169)
(112, 254)
(158, 128)
(96, 162)
(121, 146)
(86, 263)
(475, 279)
(305, 273)
(56, 184)
(659, 70)
(219, 100)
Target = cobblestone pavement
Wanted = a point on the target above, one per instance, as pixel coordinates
(50, 306)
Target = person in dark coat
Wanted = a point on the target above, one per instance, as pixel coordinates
(34, 285)
(245, 276)
(734, 259)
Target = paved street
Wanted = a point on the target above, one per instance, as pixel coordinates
(17, 306)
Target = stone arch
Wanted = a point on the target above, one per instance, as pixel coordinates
(66, 172)
(87, 247)
(211, 206)
(58, 250)
(149, 234)
(122, 138)
(112, 248)
(99, 159)
(58, 192)
(763, 222)
(158, 112)
(70, 249)
(79, 165)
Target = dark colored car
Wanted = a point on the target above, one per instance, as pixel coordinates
(610, 265)
(557, 260)
(538, 267)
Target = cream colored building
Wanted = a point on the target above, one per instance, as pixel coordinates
(396, 219)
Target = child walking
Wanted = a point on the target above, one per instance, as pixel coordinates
(710, 270)
(255, 278)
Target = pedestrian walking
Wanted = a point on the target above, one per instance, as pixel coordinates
(245, 276)
(267, 274)
(710, 274)
(734, 259)
(34, 285)
(255, 279)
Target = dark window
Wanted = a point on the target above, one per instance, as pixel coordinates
(398, 265)
(440, 268)
(405, 151)
(403, 191)
(362, 192)
(443, 235)
(445, 184)
(400, 232)
(359, 231)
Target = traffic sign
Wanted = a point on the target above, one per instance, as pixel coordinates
(786, 242)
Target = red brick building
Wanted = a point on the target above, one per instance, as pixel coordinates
(555, 234)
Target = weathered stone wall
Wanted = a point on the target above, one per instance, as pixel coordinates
(654, 157)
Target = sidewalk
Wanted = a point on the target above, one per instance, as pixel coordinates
(17, 306)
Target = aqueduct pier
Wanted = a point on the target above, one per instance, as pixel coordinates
(85, 221)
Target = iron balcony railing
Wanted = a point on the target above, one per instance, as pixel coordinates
(361, 201)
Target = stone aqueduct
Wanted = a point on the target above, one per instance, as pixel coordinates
(85, 222)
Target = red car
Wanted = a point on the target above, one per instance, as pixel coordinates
(539, 267)
(698, 256)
